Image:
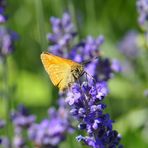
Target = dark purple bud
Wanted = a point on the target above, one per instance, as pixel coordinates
(82, 126)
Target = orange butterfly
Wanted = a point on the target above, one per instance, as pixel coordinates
(62, 72)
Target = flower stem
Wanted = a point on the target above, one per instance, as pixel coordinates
(146, 39)
(7, 99)
(41, 23)
(72, 10)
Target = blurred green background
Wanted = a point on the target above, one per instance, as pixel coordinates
(30, 85)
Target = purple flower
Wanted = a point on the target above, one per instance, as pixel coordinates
(128, 45)
(22, 118)
(2, 11)
(116, 65)
(87, 108)
(142, 6)
(5, 142)
(89, 48)
(7, 39)
(63, 33)
(18, 140)
(51, 132)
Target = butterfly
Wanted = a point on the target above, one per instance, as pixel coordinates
(62, 72)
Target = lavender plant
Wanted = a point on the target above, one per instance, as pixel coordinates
(2, 11)
(85, 98)
(128, 46)
(87, 107)
(22, 121)
(51, 131)
(7, 38)
(142, 6)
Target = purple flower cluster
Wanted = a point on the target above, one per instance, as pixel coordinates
(129, 46)
(142, 6)
(116, 65)
(87, 107)
(89, 48)
(7, 37)
(21, 120)
(63, 33)
(19, 141)
(2, 11)
(51, 132)
(21, 117)
(85, 100)
(62, 38)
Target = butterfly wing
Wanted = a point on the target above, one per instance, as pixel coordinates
(59, 75)
(58, 69)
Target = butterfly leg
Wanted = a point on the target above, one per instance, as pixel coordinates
(70, 87)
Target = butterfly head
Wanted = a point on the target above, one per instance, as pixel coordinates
(77, 71)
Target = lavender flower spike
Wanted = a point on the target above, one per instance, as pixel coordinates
(7, 39)
(63, 33)
(85, 100)
(51, 132)
(142, 6)
(2, 11)
(22, 118)
(87, 108)
(129, 45)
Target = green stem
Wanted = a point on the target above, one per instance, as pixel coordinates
(41, 24)
(145, 56)
(71, 9)
(7, 99)
(146, 39)
(91, 18)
